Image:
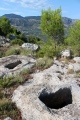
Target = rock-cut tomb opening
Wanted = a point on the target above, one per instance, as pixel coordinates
(56, 100)
(12, 65)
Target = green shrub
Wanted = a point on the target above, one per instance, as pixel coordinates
(43, 63)
(13, 51)
(6, 81)
(25, 71)
(76, 50)
(48, 49)
(19, 79)
(16, 42)
(11, 81)
(25, 52)
(5, 105)
(7, 108)
(1, 54)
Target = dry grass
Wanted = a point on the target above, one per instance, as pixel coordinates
(70, 71)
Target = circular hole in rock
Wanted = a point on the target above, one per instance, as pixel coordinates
(13, 64)
(58, 99)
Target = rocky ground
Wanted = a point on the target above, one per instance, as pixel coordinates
(52, 94)
(14, 64)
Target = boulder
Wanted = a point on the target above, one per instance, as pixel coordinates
(74, 66)
(30, 46)
(76, 59)
(52, 94)
(14, 64)
(66, 54)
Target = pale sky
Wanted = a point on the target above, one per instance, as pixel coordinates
(70, 8)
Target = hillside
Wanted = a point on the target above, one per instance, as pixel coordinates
(31, 25)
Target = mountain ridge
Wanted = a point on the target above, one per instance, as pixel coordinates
(30, 25)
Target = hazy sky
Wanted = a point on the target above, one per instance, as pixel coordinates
(70, 8)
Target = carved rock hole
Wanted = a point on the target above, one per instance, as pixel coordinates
(13, 64)
(58, 99)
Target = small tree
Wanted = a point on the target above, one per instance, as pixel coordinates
(74, 34)
(52, 25)
(73, 39)
(5, 25)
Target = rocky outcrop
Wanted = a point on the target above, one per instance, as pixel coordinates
(52, 94)
(14, 64)
(30, 46)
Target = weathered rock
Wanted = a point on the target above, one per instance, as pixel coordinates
(30, 46)
(48, 96)
(74, 66)
(66, 54)
(77, 59)
(4, 41)
(11, 65)
(8, 118)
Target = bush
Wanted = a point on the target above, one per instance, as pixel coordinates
(7, 108)
(6, 82)
(33, 39)
(25, 52)
(76, 50)
(16, 42)
(13, 51)
(18, 79)
(48, 49)
(43, 63)
(11, 81)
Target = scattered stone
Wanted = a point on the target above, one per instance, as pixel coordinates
(66, 54)
(30, 46)
(74, 66)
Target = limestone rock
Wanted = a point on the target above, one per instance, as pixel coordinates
(30, 46)
(14, 64)
(66, 54)
(77, 59)
(74, 66)
(48, 96)
(8, 118)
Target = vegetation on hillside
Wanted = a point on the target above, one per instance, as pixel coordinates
(31, 25)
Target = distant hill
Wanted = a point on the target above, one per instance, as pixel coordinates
(31, 25)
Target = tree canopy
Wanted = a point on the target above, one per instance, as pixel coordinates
(74, 34)
(5, 26)
(52, 24)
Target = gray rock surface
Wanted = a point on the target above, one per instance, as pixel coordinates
(52, 94)
(74, 66)
(4, 41)
(77, 59)
(8, 118)
(30, 46)
(66, 54)
(11, 65)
